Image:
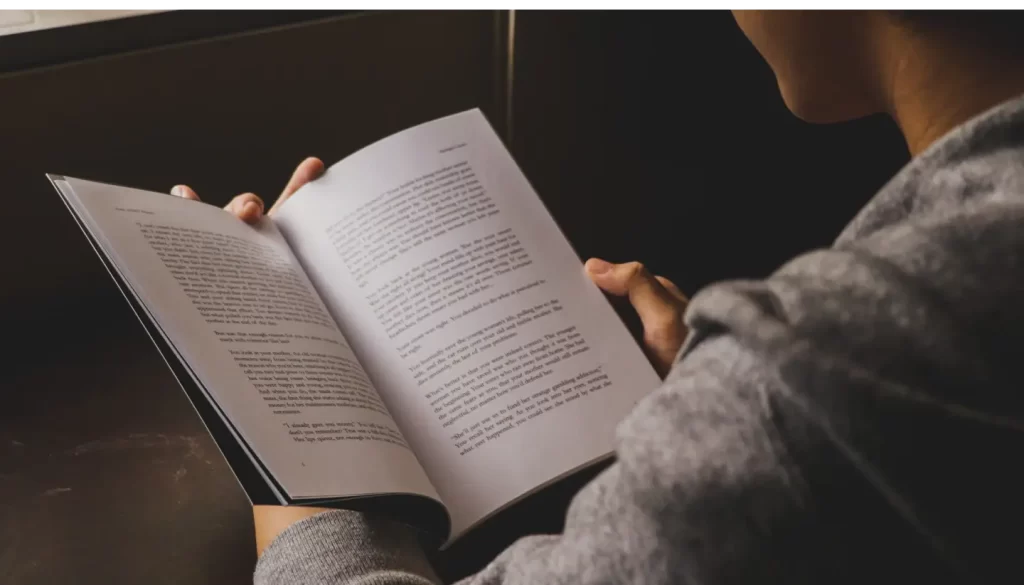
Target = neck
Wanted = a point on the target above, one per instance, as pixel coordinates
(932, 85)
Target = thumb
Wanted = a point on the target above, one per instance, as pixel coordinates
(660, 310)
(308, 170)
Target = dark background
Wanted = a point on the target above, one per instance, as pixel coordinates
(652, 136)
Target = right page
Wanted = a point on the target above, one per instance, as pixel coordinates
(504, 366)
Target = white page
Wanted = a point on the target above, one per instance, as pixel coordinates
(68, 195)
(283, 373)
(376, 234)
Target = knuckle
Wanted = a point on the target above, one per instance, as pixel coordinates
(635, 271)
(241, 200)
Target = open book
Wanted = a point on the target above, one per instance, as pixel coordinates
(411, 333)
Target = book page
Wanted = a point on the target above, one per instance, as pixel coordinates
(502, 363)
(236, 305)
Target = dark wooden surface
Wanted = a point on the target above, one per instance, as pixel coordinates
(651, 136)
(106, 476)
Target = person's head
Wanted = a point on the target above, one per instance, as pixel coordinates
(838, 65)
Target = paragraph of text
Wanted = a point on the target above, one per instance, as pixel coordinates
(445, 280)
(415, 345)
(269, 338)
(393, 223)
(487, 338)
(291, 382)
(232, 281)
(528, 408)
(344, 431)
(508, 371)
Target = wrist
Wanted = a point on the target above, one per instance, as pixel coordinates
(270, 521)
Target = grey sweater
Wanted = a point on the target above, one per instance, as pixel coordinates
(858, 417)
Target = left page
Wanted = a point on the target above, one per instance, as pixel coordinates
(236, 306)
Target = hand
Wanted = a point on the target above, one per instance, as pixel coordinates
(658, 302)
(248, 206)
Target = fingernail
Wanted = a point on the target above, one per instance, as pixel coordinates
(598, 266)
(178, 191)
(250, 208)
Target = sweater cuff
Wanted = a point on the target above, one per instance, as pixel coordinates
(344, 546)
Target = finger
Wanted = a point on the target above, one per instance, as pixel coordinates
(672, 288)
(247, 206)
(660, 311)
(624, 279)
(307, 171)
(185, 192)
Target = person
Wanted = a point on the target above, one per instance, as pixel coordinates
(854, 418)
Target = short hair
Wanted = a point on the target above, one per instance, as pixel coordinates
(997, 30)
